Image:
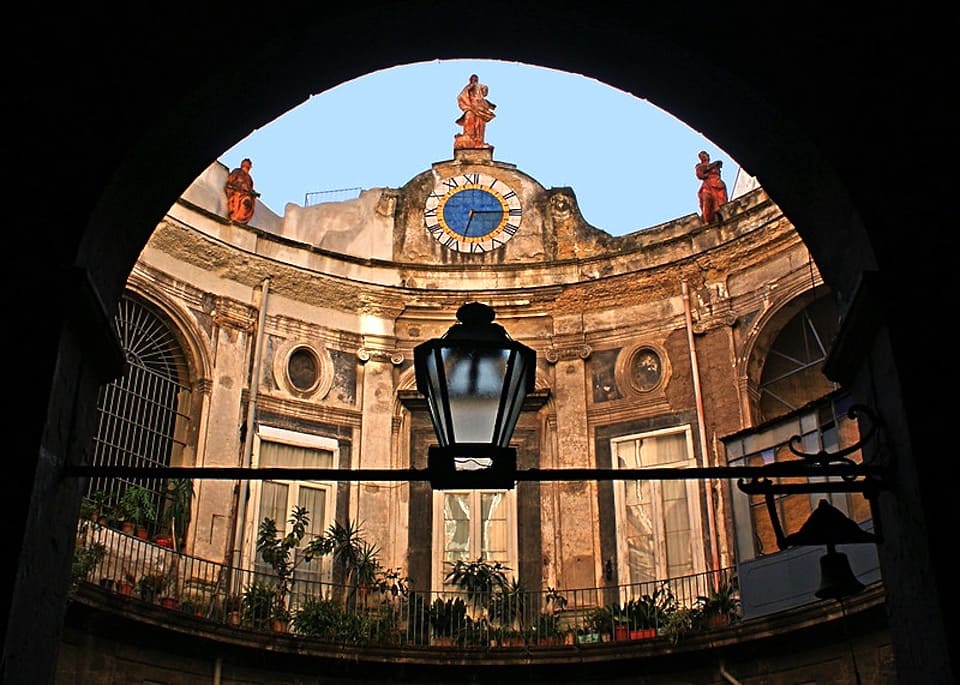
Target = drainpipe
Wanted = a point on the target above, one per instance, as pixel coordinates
(217, 671)
(243, 489)
(711, 516)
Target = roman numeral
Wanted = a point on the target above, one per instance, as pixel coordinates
(476, 247)
(436, 196)
(430, 211)
(452, 242)
(451, 183)
(511, 229)
(472, 178)
(435, 229)
(515, 211)
(497, 243)
(509, 195)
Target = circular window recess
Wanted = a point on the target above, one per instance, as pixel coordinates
(306, 371)
(644, 369)
(303, 369)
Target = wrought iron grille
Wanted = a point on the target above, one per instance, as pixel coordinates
(139, 413)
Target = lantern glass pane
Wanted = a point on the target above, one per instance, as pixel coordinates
(431, 392)
(474, 384)
(513, 397)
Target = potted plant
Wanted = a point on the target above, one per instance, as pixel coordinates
(477, 578)
(257, 602)
(126, 584)
(622, 620)
(279, 617)
(232, 608)
(277, 549)
(480, 580)
(169, 591)
(548, 629)
(86, 557)
(356, 560)
(447, 618)
(679, 622)
(506, 605)
(597, 627)
(176, 512)
(721, 606)
(137, 510)
(193, 603)
(648, 613)
(558, 603)
(477, 633)
(101, 507)
(318, 617)
(150, 586)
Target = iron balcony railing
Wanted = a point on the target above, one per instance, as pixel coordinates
(390, 613)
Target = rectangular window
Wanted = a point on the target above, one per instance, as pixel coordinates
(659, 529)
(471, 525)
(278, 448)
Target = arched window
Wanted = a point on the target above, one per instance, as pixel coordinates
(142, 413)
(793, 370)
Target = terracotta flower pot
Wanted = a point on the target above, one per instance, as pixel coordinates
(643, 634)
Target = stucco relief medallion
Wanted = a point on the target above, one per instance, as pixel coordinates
(642, 369)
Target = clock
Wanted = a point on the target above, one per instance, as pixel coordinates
(472, 212)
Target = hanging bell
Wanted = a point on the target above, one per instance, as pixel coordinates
(836, 577)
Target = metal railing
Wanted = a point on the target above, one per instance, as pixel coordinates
(390, 614)
(336, 195)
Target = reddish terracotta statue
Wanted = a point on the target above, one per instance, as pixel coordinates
(241, 197)
(713, 191)
(477, 111)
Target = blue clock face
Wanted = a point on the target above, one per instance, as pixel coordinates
(472, 212)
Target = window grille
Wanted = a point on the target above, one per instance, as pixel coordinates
(141, 413)
(792, 373)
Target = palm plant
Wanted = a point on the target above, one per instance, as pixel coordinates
(357, 559)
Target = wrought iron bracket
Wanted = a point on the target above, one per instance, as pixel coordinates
(863, 477)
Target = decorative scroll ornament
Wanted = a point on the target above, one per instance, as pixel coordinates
(555, 354)
(394, 357)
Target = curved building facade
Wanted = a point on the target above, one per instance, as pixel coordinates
(287, 342)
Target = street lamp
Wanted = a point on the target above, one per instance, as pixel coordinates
(475, 378)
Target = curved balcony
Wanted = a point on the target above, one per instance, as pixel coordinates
(140, 582)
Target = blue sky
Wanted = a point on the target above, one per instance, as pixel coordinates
(629, 162)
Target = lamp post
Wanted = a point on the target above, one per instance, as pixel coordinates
(475, 378)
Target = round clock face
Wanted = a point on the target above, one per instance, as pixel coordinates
(472, 212)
